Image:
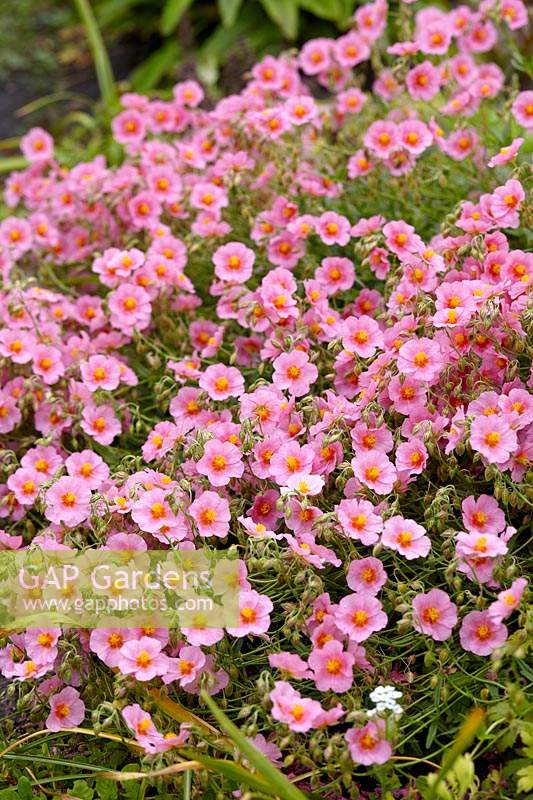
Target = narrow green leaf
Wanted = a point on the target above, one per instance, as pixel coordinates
(228, 10)
(102, 65)
(173, 11)
(149, 73)
(285, 14)
(234, 772)
(13, 162)
(266, 769)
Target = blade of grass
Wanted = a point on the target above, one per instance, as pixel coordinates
(102, 65)
(276, 779)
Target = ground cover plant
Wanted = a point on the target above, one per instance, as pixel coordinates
(295, 327)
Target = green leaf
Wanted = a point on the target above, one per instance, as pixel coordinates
(8, 794)
(277, 781)
(285, 14)
(82, 790)
(173, 11)
(106, 789)
(525, 779)
(149, 73)
(228, 10)
(324, 9)
(24, 788)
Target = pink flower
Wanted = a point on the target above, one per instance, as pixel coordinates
(41, 643)
(351, 49)
(422, 358)
(288, 706)
(366, 575)
(37, 146)
(87, 467)
(480, 545)
(361, 335)
(359, 616)
(434, 614)
(130, 308)
(423, 81)
(254, 610)
(211, 514)
(68, 502)
(128, 127)
(375, 471)
(152, 512)
(411, 457)
(508, 600)
(359, 521)
(221, 382)
(381, 138)
(47, 363)
(293, 371)
(333, 228)
(481, 634)
(25, 484)
(415, 136)
(106, 643)
(335, 274)
(143, 658)
(522, 109)
(187, 667)
(406, 537)
(315, 56)
(233, 262)
(332, 667)
(493, 438)
(367, 745)
(507, 153)
(301, 109)
(290, 663)
(100, 423)
(220, 462)
(100, 372)
(67, 710)
(290, 461)
(482, 515)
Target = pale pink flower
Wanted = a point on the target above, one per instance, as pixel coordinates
(406, 537)
(211, 514)
(294, 371)
(508, 600)
(68, 502)
(494, 438)
(361, 335)
(106, 643)
(221, 382)
(37, 146)
(359, 521)
(233, 262)
(220, 462)
(290, 707)
(333, 228)
(366, 575)
(480, 633)
(434, 614)
(88, 467)
(100, 423)
(332, 667)
(368, 745)
(522, 109)
(482, 515)
(67, 710)
(375, 471)
(359, 616)
(143, 658)
(254, 610)
(422, 358)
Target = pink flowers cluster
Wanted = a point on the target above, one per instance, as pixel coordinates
(211, 344)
